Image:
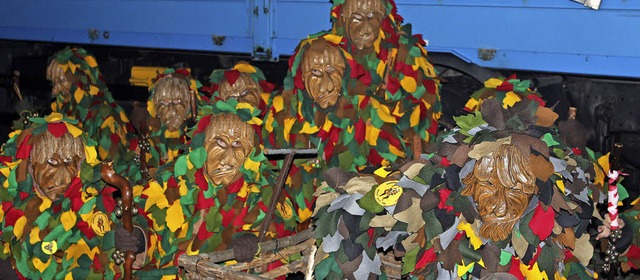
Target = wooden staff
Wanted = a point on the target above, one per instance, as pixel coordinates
(611, 255)
(109, 175)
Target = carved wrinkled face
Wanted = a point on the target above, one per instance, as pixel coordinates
(229, 140)
(61, 80)
(322, 70)
(172, 99)
(363, 20)
(501, 184)
(245, 89)
(55, 162)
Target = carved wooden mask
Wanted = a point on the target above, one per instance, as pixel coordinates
(172, 99)
(322, 70)
(245, 89)
(54, 162)
(501, 184)
(61, 80)
(228, 142)
(363, 20)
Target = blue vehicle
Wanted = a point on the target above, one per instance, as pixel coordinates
(576, 55)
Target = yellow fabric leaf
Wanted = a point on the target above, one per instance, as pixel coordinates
(90, 155)
(53, 117)
(72, 67)
(123, 116)
(244, 105)
(75, 251)
(415, 117)
(288, 124)
(69, 276)
(156, 196)
(492, 83)
(381, 67)
(463, 269)
(560, 185)
(255, 121)
(244, 67)
(175, 217)
(532, 272)
(408, 83)
(91, 61)
(1, 214)
(327, 125)
(304, 214)
(396, 111)
(602, 170)
(247, 189)
(472, 103)
(39, 265)
(475, 241)
(190, 251)
(172, 134)
(559, 276)
(102, 152)
(382, 172)
(249, 164)
(151, 109)
(278, 103)
(333, 38)
(372, 135)
(183, 230)
(75, 131)
(5, 171)
(376, 44)
(395, 151)
(18, 227)
(68, 220)
(383, 112)
(109, 122)
(34, 236)
(93, 90)
(78, 95)
(306, 128)
(268, 124)
(510, 99)
(137, 190)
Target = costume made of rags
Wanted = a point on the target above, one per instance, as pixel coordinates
(92, 105)
(361, 218)
(190, 214)
(69, 238)
(394, 83)
(158, 144)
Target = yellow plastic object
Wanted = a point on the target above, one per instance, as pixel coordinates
(143, 75)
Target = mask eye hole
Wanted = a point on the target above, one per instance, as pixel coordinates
(221, 143)
(52, 161)
(316, 72)
(236, 144)
(177, 101)
(68, 160)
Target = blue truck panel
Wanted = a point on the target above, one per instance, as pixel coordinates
(543, 35)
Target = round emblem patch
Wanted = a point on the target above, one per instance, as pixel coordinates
(100, 223)
(388, 193)
(49, 248)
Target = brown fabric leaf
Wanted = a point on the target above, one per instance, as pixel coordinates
(583, 249)
(568, 238)
(527, 143)
(172, 194)
(491, 256)
(542, 168)
(545, 117)
(461, 155)
(558, 202)
(450, 256)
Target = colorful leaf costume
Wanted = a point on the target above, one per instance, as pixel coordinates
(469, 227)
(90, 102)
(71, 236)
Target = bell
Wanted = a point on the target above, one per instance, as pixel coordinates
(118, 212)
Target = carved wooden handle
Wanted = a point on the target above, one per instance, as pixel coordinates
(112, 178)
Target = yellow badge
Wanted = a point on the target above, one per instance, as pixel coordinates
(49, 248)
(100, 223)
(285, 210)
(388, 193)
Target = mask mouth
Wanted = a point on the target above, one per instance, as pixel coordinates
(224, 170)
(53, 191)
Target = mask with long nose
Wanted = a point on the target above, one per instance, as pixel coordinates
(228, 142)
(363, 20)
(54, 162)
(322, 70)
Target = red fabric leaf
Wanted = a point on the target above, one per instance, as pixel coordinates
(85, 229)
(133, 144)
(266, 86)
(371, 233)
(97, 266)
(433, 128)
(515, 268)
(109, 203)
(23, 195)
(393, 85)
(537, 99)
(12, 216)
(576, 151)
(297, 80)
(172, 183)
(203, 233)
(227, 217)
(445, 162)
(183, 72)
(444, 195)
(25, 148)
(428, 257)
(429, 85)
(232, 76)
(360, 131)
(374, 158)
(200, 180)
(239, 218)
(542, 221)
(115, 139)
(203, 123)
(5, 159)
(203, 203)
(74, 194)
(634, 253)
(235, 186)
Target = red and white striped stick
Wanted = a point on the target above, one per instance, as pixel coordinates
(612, 206)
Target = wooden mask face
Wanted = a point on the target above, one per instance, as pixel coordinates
(245, 89)
(61, 80)
(501, 184)
(172, 99)
(322, 70)
(54, 162)
(228, 142)
(363, 20)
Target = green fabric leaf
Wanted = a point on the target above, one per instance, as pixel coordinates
(368, 202)
(622, 192)
(548, 139)
(434, 227)
(325, 266)
(180, 167)
(505, 258)
(198, 157)
(409, 260)
(468, 122)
